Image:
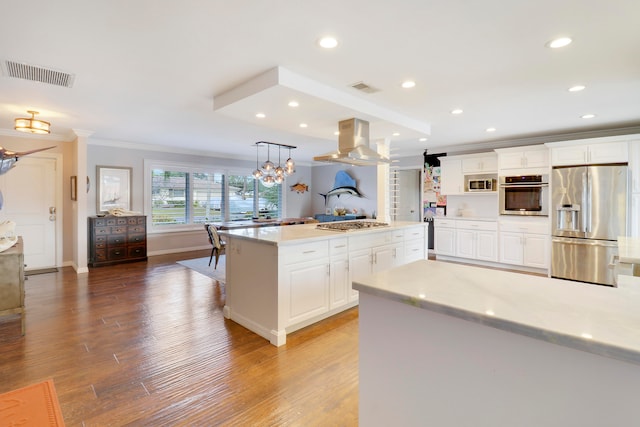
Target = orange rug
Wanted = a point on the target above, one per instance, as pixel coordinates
(35, 405)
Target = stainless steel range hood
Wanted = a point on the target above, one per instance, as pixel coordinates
(353, 146)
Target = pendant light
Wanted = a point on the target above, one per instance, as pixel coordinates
(268, 166)
(32, 125)
(289, 165)
(270, 174)
(257, 174)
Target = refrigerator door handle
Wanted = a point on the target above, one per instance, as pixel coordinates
(585, 205)
(590, 201)
(589, 242)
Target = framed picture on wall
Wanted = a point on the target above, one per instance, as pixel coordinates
(113, 188)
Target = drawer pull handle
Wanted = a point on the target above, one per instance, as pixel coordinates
(339, 246)
(308, 252)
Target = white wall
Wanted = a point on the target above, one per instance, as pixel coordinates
(298, 204)
(117, 154)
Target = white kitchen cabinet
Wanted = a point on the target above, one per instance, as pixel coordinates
(525, 244)
(414, 243)
(451, 178)
(535, 252)
(444, 237)
(523, 157)
(340, 286)
(603, 152)
(359, 267)
(481, 164)
(306, 290)
(477, 240)
(372, 253)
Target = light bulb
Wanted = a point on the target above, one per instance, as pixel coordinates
(257, 174)
(289, 166)
(269, 181)
(278, 179)
(267, 167)
(279, 171)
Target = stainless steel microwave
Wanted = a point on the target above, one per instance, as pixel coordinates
(481, 185)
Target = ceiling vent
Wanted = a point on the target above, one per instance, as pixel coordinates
(363, 87)
(37, 74)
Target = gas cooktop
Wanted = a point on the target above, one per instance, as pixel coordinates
(351, 225)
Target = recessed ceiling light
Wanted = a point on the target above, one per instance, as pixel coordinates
(293, 104)
(328, 42)
(491, 129)
(303, 125)
(559, 42)
(588, 116)
(408, 84)
(456, 111)
(396, 134)
(422, 139)
(576, 88)
(261, 115)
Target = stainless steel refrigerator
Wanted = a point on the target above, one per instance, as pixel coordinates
(589, 212)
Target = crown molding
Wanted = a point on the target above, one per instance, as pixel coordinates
(476, 147)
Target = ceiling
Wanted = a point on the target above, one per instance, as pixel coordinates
(193, 74)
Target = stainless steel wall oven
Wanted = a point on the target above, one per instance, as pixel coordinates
(524, 195)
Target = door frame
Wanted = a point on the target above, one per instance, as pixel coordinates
(420, 170)
(59, 200)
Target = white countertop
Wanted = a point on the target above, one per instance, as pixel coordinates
(629, 250)
(592, 318)
(293, 234)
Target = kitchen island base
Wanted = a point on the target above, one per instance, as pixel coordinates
(419, 367)
(281, 279)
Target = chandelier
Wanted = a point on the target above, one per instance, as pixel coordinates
(270, 174)
(32, 125)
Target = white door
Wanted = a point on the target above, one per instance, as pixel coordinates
(29, 191)
(408, 195)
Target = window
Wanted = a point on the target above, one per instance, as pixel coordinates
(180, 196)
(243, 201)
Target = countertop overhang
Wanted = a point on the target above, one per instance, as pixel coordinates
(597, 319)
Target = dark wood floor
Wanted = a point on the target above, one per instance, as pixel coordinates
(146, 344)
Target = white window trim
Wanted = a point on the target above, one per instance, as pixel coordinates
(150, 164)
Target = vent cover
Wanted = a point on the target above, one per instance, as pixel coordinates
(38, 74)
(363, 87)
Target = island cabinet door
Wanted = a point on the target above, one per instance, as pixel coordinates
(360, 266)
(340, 285)
(306, 291)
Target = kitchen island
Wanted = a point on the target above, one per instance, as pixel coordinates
(452, 345)
(281, 279)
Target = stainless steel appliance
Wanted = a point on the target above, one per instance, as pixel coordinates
(589, 213)
(524, 195)
(353, 146)
(481, 184)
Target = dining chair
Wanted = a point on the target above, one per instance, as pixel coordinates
(217, 244)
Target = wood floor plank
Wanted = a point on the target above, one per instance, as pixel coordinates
(146, 344)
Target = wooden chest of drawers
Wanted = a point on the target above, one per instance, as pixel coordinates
(116, 239)
(12, 281)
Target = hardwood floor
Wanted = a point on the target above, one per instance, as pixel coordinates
(146, 344)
